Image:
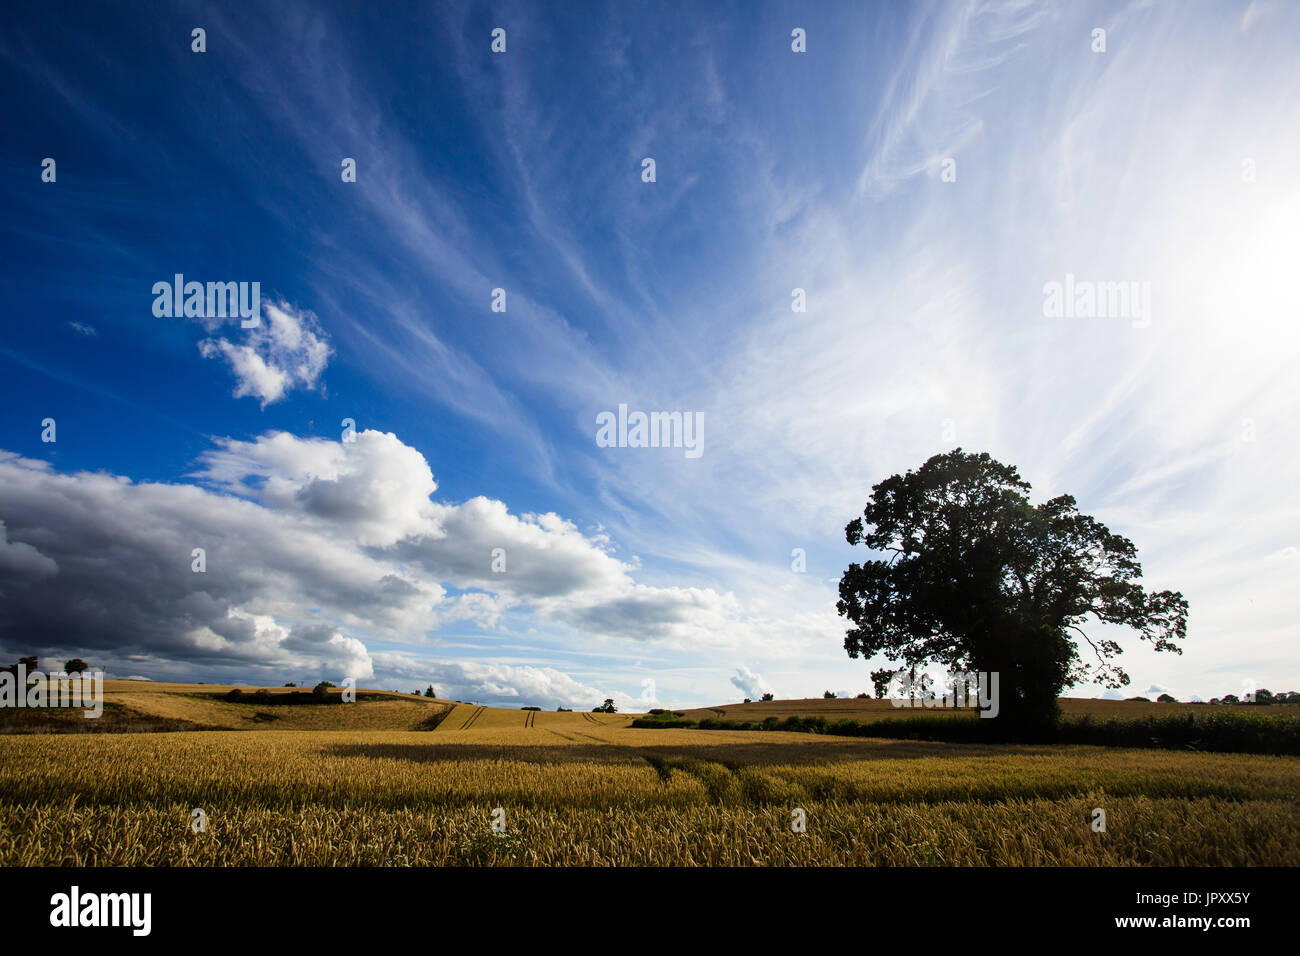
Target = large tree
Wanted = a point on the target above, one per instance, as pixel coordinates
(975, 577)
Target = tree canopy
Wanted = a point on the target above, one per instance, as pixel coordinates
(976, 578)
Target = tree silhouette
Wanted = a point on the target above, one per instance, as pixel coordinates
(977, 578)
(880, 680)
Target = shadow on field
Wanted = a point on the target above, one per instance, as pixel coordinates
(729, 754)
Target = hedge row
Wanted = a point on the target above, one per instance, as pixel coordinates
(1215, 731)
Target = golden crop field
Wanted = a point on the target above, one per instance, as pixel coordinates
(865, 709)
(587, 789)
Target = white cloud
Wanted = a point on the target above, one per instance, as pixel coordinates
(751, 684)
(312, 549)
(379, 490)
(286, 350)
(485, 682)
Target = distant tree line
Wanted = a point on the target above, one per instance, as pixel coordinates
(1262, 697)
(33, 663)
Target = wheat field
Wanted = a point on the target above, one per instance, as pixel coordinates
(586, 789)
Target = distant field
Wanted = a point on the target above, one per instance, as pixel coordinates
(871, 709)
(586, 789)
(149, 706)
(471, 716)
(146, 705)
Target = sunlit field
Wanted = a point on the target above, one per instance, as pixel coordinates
(586, 789)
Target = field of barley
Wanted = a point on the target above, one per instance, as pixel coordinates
(587, 789)
(866, 709)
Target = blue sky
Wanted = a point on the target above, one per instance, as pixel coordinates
(1169, 159)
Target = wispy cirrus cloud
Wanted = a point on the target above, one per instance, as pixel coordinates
(818, 171)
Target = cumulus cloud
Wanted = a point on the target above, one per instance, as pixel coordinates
(374, 488)
(378, 490)
(751, 684)
(287, 350)
(19, 560)
(307, 551)
(485, 682)
(504, 685)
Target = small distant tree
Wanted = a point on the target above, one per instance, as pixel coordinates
(428, 691)
(606, 708)
(1144, 700)
(322, 689)
(1263, 696)
(880, 680)
(1230, 699)
(75, 666)
(1166, 699)
(290, 684)
(917, 685)
(863, 697)
(768, 696)
(748, 701)
(828, 695)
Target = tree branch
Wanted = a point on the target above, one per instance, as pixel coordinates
(1090, 644)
